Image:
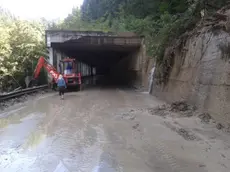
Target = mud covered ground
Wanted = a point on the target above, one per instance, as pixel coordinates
(18, 100)
(108, 130)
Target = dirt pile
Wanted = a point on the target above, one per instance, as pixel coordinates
(180, 107)
(186, 134)
(159, 110)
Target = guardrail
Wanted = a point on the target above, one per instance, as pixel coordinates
(21, 92)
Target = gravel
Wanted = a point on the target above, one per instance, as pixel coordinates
(179, 107)
(13, 101)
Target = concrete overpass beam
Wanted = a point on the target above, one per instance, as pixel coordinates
(51, 55)
(59, 57)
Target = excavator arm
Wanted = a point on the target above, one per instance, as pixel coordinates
(50, 69)
(72, 79)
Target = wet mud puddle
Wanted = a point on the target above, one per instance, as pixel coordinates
(104, 130)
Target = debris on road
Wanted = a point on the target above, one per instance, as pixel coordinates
(136, 126)
(183, 108)
(219, 126)
(161, 110)
(186, 134)
(202, 165)
(205, 117)
(180, 107)
(120, 130)
(223, 155)
(128, 116)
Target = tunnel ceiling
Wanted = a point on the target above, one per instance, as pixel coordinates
(94, 55)
(96, 50)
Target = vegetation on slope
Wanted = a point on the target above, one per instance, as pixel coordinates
(161, 22)
(21, 43)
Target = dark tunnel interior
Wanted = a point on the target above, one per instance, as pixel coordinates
(105, 58)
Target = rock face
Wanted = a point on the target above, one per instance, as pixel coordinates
(201, 70)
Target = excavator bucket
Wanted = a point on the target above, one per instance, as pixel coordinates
(37, 70)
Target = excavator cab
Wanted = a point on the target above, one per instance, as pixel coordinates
(68, 70)
(67, 66)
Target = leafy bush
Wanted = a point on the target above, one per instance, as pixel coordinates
(21, 43)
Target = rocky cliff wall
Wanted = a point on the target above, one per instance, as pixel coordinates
(200, 73)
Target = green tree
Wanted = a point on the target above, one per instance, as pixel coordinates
(21, 43)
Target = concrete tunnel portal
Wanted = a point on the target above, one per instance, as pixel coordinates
(119, 57)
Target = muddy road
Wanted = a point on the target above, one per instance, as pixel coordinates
(106, 130)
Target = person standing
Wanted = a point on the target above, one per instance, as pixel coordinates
(68, 69)
(61, 86)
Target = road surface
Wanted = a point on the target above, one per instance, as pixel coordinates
(105, 130)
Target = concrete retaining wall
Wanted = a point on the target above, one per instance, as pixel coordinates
(130, 70)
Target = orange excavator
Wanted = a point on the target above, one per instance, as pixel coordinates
(67, 69)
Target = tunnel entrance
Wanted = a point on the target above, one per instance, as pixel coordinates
(116, 57)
